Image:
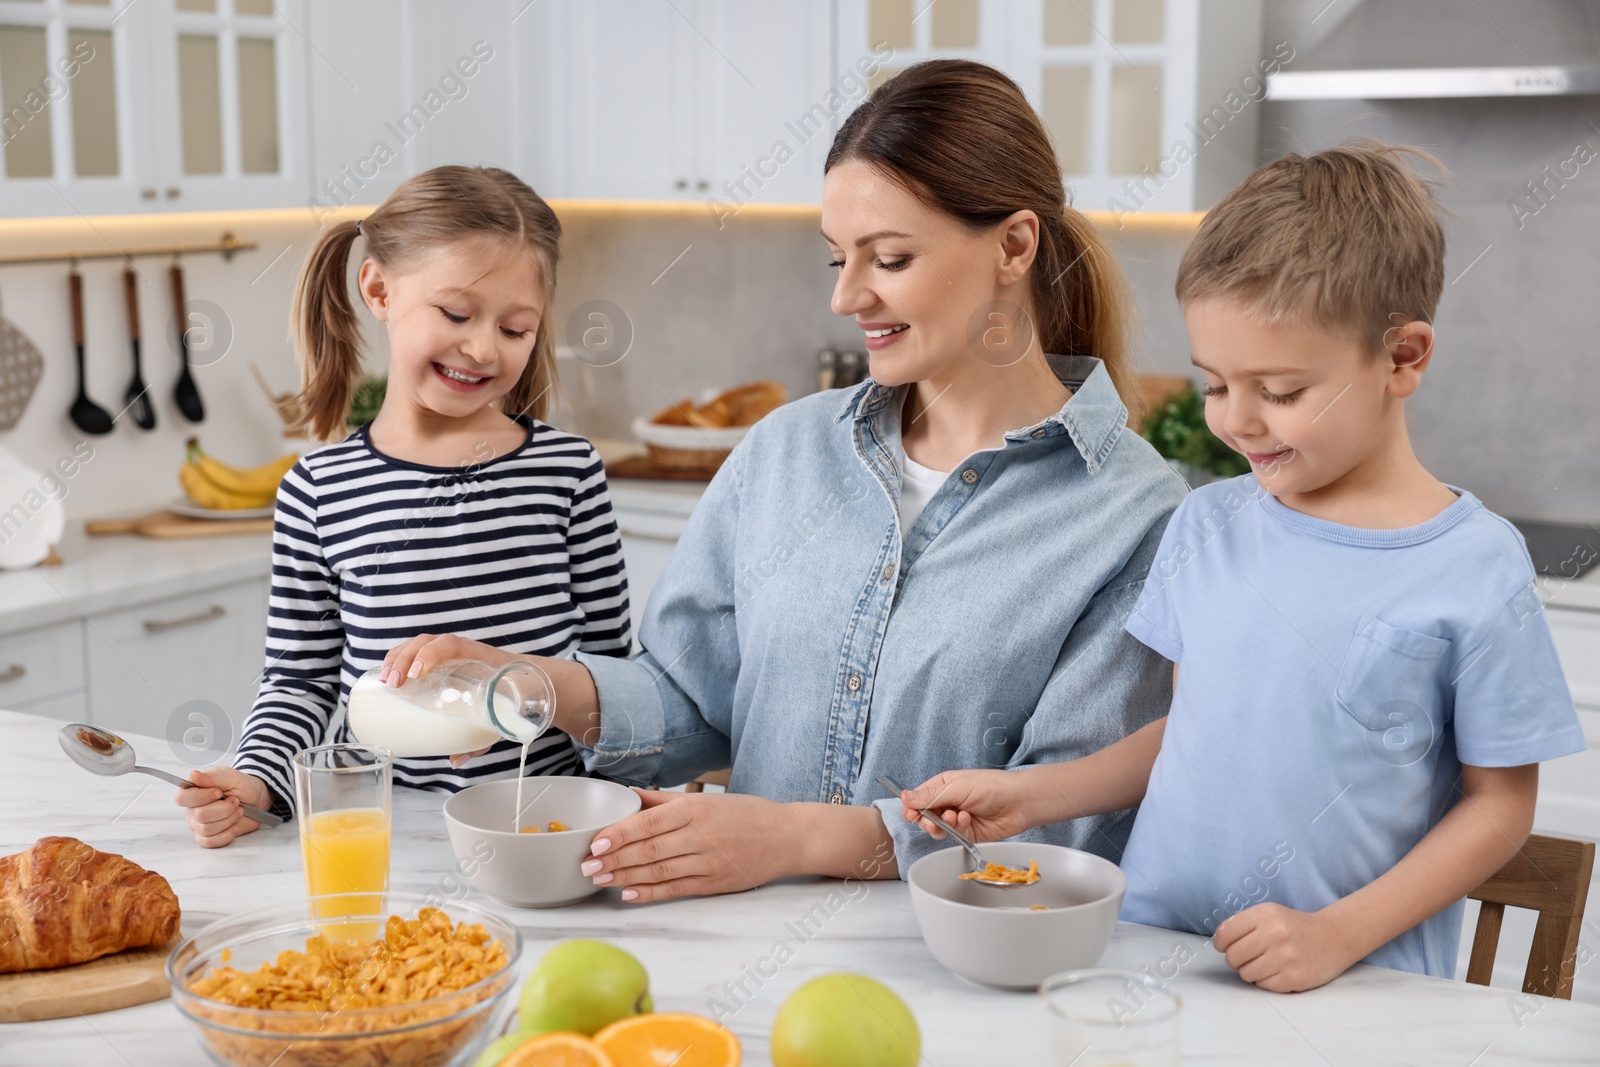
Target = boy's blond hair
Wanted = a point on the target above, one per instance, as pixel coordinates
(1346, 240)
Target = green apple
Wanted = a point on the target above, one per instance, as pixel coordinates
(501, 1048)
(845, 1020)
(582, 986)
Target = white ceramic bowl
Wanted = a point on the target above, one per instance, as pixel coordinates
(990, 936)
(533, 870)
(688, 438)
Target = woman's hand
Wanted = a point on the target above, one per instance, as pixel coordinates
(212, 807)
(984, 805)
(693, 844)
(426, 651)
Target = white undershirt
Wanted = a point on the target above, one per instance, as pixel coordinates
(917, 486)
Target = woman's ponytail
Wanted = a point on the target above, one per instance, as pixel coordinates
(1080, 297)
(327, 335)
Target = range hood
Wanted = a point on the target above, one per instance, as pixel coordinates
(1438, 49)
(1415, 83)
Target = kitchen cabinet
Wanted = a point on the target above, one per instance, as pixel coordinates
(120, 106)
(1152, 104)
(147, 661)
(1569, 787)
(651, 516)
(698, 100)
(42, 671)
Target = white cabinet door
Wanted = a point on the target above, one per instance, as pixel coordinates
(648, 539)
(1569, 787)
(170, 668)
(42, 671)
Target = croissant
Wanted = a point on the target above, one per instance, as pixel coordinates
(64, 902)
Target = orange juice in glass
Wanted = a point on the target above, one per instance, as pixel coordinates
(342, 802)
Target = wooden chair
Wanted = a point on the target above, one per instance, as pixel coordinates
(709, 778)
(1549, 875)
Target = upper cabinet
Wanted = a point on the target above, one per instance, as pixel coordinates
(116, 106)
(1151, 104)
(164, 105)
(701, 100)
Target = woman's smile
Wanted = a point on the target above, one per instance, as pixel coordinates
(882, 334)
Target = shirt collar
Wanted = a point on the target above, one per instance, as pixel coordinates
(1094, 417)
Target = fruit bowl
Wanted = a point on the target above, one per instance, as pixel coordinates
(992, 937)
(446, 1030)
(533, 870)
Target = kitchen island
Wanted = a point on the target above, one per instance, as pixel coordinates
(719, 955)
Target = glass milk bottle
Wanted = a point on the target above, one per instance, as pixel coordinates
(458, 706)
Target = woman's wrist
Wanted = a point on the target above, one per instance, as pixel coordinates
(577, 700)
(838, 841)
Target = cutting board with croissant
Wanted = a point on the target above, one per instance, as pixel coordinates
(81, 931)
(121, 980)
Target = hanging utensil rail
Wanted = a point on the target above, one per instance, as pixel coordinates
(227, 246)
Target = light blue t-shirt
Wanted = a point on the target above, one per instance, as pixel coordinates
(1332, 681)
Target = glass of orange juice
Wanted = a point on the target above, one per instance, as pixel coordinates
(342, 803)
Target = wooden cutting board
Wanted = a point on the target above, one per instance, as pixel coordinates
(135, 976)
(642, 467)
(167, 524)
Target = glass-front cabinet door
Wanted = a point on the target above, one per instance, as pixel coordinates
(118, 106)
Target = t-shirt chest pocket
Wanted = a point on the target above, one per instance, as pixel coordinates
(1392, 682)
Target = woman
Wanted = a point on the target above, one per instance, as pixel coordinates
(928, 571)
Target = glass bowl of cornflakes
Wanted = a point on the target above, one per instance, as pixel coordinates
(398, 979)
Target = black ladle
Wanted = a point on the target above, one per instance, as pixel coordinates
(138, 395)
(86, 415)
(186, 393)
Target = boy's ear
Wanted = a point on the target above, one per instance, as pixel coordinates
(1408, 349)
(374, 290)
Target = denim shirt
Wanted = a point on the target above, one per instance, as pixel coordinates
(800, 636)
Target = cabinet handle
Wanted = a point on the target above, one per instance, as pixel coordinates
(681, 183)
(623, 531)
(15, 671)
(702, 185)
(147, 194)
(172, 192)
(156, 626)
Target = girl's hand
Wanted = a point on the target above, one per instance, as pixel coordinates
(693, 844)
(212, 807)
(426, 651)
(984, 805)
(1283, 950)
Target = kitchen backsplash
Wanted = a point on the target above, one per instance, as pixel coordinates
(704, 303)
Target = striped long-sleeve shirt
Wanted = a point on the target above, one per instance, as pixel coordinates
(520, 552)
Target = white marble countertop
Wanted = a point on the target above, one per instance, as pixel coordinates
(109, 572)
(1368, 1017)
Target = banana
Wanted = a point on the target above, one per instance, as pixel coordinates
(256, 482)
(209, 495)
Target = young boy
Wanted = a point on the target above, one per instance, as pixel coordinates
(1366, 682)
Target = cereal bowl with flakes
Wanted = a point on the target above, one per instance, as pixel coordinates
(527, 850)
(355, 978)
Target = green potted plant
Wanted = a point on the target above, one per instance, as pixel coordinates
(366, 400)
(1177, 428)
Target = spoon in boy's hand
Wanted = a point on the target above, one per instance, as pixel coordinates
(976, 864)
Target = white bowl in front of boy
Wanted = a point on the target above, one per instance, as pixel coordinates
(533, 870)
(993, 937)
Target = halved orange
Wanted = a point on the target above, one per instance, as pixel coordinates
(675, 1038)
(558, 1049)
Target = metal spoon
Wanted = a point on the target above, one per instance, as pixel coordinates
(975, 860)
(103, 752)
(186, 393)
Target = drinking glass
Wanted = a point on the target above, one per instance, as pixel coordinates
(342, 797)
(1105, 1018)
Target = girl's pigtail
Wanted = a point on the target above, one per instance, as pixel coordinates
(327, 336)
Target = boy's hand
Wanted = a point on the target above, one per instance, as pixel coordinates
(1283, 950)
(984, 805)
(212, 807)
(426, 651)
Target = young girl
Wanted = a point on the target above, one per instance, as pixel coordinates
(455, 510)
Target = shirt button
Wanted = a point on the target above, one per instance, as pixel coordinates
(888, 572)
(969, 476)
(1038, 433)
(854, 682)
(837, 798)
